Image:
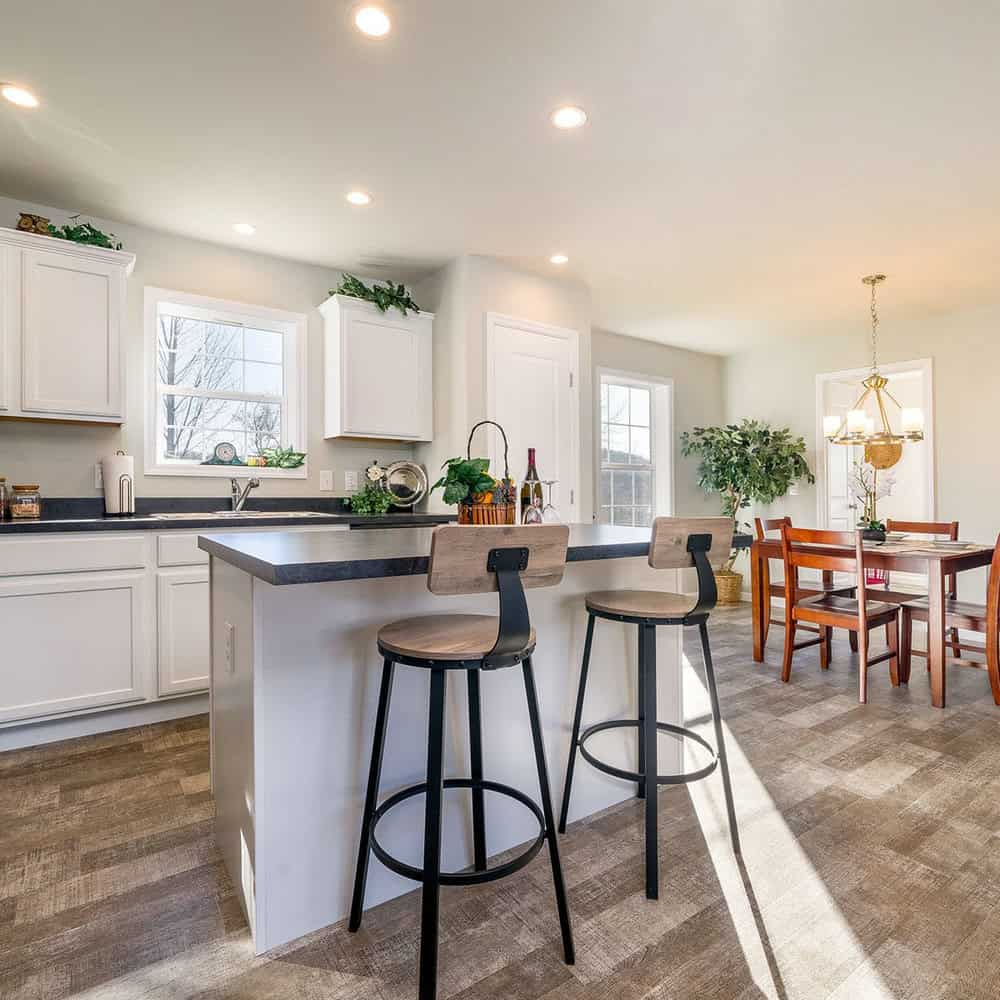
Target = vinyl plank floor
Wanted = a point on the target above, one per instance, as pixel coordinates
(870, 868)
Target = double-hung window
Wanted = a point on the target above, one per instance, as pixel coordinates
(635, 457)
(226, 379)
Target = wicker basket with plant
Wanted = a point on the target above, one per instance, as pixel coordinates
(467, 482)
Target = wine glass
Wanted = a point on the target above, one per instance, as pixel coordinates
(533, 515)
(549, 513)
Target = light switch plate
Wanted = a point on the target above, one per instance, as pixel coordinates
(351, 480)
(793, 490)
(98, 476)
(326, 479)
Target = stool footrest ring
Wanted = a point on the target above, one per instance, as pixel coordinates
(460, 878)
(661, 779)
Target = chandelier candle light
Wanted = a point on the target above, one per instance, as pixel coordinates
(883, 446)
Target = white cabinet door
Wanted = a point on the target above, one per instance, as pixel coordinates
(8, 301)
(71, 334)
(378, 372)
(182, 630)
(71, 642)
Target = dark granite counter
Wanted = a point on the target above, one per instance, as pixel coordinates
(206, 520)
(320, 557)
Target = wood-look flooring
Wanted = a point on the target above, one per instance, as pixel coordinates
(871, 867)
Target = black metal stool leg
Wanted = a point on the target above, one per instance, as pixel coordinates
(647, 670)
(581, 691)
(476, 772)
(371, 796)
(720, 742)
(550, 823)
(640, 732)
(432, 839)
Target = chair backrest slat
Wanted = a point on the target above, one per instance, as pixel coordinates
(947, 528)
(766, 524)
(668, 544)
(459, 554)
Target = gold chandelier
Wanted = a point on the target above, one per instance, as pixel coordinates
(883, 446)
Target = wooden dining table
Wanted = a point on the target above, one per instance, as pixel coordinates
(938, 560)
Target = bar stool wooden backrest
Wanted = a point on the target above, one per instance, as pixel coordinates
(949, 529)
(478, 559)
(460, 556)
(668, 547)
(802, 548)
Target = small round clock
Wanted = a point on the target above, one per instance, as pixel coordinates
(225, 452)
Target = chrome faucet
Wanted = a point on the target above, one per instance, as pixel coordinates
(240, 493)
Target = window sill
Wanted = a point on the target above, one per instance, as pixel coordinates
(227, 472)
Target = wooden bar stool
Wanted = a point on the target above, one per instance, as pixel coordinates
(466, 560)
(676, 543)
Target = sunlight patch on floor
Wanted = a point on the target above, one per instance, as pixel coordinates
(796, 942)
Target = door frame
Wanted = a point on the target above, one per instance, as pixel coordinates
(572, 337)
(926, 368)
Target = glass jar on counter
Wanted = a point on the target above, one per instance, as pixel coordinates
(25, 501)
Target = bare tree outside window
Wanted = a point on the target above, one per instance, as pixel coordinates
(203, 370)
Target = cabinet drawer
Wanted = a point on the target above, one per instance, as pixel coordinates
(176, 549)
(68, 554)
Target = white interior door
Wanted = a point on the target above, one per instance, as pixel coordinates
(532, 391)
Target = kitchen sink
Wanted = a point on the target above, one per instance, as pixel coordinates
(194, 515)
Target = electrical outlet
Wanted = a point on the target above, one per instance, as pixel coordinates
(230, 648)
(351, 480)
(326, 480)
(793, 490)
(98, 476)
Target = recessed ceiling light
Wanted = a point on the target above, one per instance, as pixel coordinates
(569, 117)
(244, 228)
(559, 258)
(19, 96)
(373, 21)
(359, 197)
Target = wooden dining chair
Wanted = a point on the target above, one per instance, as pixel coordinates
(984, 619)
(898, 595)
(803, 548)
(762, 526)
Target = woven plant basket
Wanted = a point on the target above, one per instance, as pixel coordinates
(729, 585)
(470, 512)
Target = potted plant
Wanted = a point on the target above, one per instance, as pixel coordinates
(467, 482)
(745, 463)
(869, 489)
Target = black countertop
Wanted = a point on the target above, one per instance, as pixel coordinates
(201, 520)
(321, 557)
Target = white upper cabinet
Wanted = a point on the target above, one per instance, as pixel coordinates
(378, 377)
(62, 347)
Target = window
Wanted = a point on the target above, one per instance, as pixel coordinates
(635, 450)
(221, 372)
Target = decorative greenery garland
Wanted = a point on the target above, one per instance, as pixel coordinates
(85, 233)
(387, 296)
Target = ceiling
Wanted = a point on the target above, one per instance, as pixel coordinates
(744, 164)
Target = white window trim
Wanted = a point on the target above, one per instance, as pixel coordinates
(225, 309)
(661, 445)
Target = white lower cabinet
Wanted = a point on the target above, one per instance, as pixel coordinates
(182, 630)
(72, 642)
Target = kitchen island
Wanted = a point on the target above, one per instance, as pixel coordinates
(294, 684)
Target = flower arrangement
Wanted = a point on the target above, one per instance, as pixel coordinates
(868, 488)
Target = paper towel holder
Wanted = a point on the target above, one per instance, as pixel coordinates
(119, 485)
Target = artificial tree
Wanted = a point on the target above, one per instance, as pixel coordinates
(745, 463)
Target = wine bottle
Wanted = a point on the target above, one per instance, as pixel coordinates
(531, 489)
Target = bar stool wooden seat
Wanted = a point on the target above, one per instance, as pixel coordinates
(466, 559)
(676, 543)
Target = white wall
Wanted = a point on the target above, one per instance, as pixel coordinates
(61, 457)
(777, 383)
(461, 295)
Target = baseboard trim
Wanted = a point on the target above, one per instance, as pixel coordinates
(32, 734)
